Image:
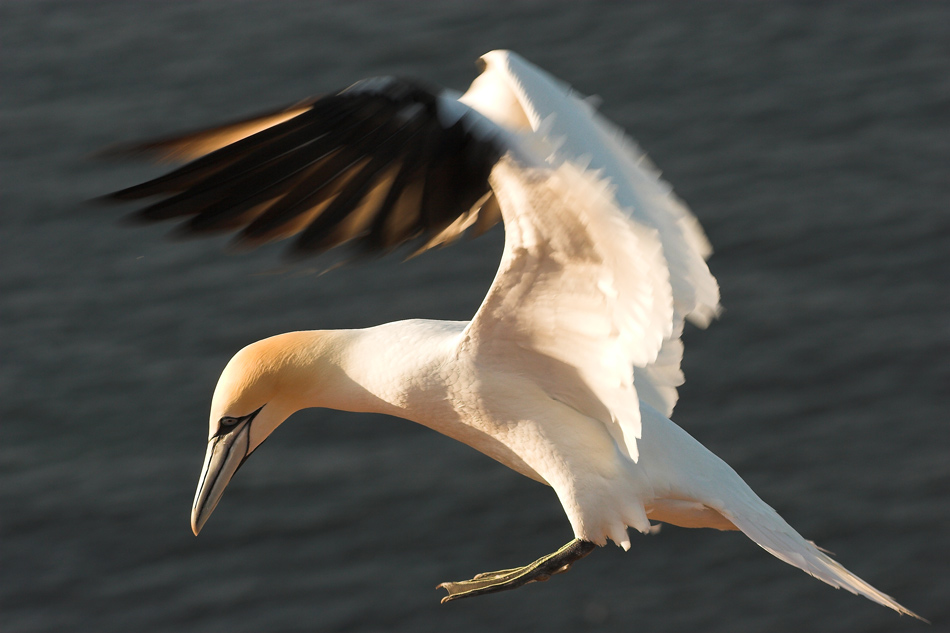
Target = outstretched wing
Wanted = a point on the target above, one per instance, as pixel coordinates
(383, 162)
(601, 264)
(582, 294)
(577, 133)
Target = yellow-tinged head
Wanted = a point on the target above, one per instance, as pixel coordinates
(263, 385)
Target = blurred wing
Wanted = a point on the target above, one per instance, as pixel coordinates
(192, 145)
(384, 162)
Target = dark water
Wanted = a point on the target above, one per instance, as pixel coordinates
(812, 142)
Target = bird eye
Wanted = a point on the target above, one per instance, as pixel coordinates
(227, 422)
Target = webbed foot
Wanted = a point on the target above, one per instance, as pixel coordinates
(505, 579)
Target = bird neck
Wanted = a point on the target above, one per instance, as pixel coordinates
(383, 369)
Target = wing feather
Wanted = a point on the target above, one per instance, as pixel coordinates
(581, 296)
(193, 145)
(378, 165)
(574, 132)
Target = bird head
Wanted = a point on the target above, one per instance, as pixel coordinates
(260, 387)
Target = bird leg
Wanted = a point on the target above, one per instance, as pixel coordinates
(505, 579)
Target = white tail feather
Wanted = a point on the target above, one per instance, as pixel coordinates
(770, 531)
(680, 468)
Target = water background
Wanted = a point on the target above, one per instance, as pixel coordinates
(812, 141)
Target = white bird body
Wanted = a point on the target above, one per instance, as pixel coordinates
(568, 371)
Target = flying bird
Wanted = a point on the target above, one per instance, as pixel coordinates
(568, 371)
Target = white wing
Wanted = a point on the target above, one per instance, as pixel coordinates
(583, 135)
(685, 248)
(601, 265)
(581, 296)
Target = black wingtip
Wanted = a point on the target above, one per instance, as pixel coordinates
(367, 169)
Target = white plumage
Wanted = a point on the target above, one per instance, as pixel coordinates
(568, 371)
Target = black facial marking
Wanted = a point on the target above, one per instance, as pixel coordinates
(227, 423)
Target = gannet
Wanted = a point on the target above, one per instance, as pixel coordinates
(567, 373)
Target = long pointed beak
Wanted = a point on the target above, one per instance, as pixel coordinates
(224, 456)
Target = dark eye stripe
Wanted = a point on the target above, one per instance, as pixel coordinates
(226, 423)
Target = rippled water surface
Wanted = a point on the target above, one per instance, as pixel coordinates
(812, 142)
